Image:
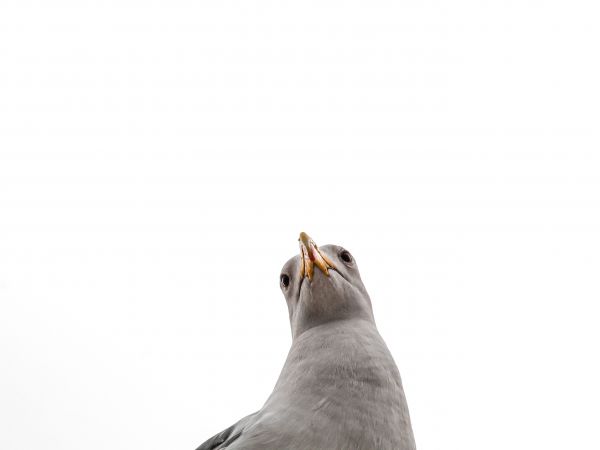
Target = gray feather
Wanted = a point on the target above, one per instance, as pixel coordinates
(339, 387)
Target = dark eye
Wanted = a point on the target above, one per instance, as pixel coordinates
(285, 280)
(346, 256)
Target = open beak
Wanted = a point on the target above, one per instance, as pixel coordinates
(311, 256)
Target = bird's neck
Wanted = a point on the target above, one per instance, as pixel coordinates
(309, 321)
(340, 352)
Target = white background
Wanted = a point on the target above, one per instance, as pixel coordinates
(158, 160)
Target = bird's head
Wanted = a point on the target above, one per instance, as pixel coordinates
(321, 285)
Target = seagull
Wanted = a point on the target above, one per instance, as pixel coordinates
(339, 387)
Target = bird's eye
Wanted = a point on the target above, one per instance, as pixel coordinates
(285, 280)
(346, 256)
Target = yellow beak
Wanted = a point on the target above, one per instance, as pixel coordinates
(311, 256)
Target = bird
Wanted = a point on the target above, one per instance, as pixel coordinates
(339, 387)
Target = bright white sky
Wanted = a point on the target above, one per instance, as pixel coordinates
(158, 160)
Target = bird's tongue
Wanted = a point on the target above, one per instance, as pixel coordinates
(311, 256)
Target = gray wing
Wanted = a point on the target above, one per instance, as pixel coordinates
(227, 436)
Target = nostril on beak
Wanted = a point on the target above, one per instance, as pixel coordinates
(311, 256)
